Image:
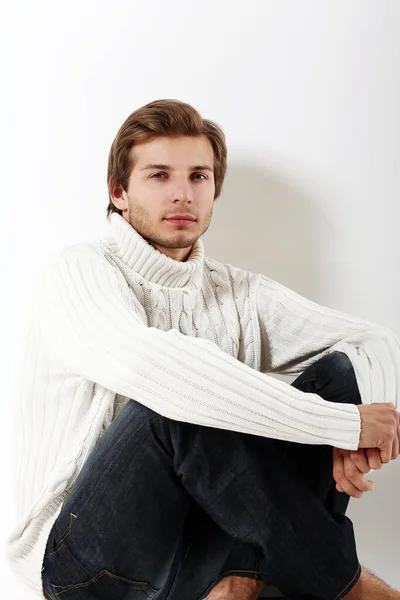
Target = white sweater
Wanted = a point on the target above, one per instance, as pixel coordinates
(195, 341)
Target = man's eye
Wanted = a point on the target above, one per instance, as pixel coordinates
(160, 175)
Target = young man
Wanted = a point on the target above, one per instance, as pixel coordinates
(157, 458)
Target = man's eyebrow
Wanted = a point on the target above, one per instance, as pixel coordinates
(169, 168)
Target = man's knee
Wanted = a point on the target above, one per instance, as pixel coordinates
(335, 365)
(336, 375)
(337, 360)
(332, 377)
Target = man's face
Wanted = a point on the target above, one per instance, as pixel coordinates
(182, 183)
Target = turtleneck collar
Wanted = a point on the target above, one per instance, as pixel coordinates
(151, 264)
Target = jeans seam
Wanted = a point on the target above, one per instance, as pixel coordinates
(247, 571)
(81, 584)
(66, 534)
(340, 595)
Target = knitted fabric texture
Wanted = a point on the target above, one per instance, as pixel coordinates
(196, 341)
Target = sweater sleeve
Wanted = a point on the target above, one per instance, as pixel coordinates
(296, 332)
(92, 326)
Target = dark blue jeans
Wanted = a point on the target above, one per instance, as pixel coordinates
(164, 509)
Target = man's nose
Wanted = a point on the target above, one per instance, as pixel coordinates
(182, 190)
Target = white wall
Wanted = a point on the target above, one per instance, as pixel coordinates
(308, 93)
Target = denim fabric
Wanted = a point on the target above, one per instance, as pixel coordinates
(164, 509)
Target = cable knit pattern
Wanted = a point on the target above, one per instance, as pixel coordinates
(196, 341)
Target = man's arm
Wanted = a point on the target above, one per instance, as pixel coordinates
(92, 325)
(296, 332)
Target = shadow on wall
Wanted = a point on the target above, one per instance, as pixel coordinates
(264, 224)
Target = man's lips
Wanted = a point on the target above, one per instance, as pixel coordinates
(180, 221)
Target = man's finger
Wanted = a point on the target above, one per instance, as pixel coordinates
(398, 433)
(396, 443)
(356, 477)
(340, 478)
(395, 449)
(350, 489)
(360, 460)
(374, 458)
(386, 452)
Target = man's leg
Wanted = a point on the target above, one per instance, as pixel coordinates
(119, 532)
(333, 378)
(246, 485)
(108, 537)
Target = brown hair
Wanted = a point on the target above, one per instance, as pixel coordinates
(155, 119)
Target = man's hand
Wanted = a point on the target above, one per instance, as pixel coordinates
(380, 436)
(380, 428)
(349, 469)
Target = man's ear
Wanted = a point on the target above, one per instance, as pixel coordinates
(117, 194)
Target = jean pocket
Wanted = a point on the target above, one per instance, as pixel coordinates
(55, 541)
(65, 576)
(105, 585)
